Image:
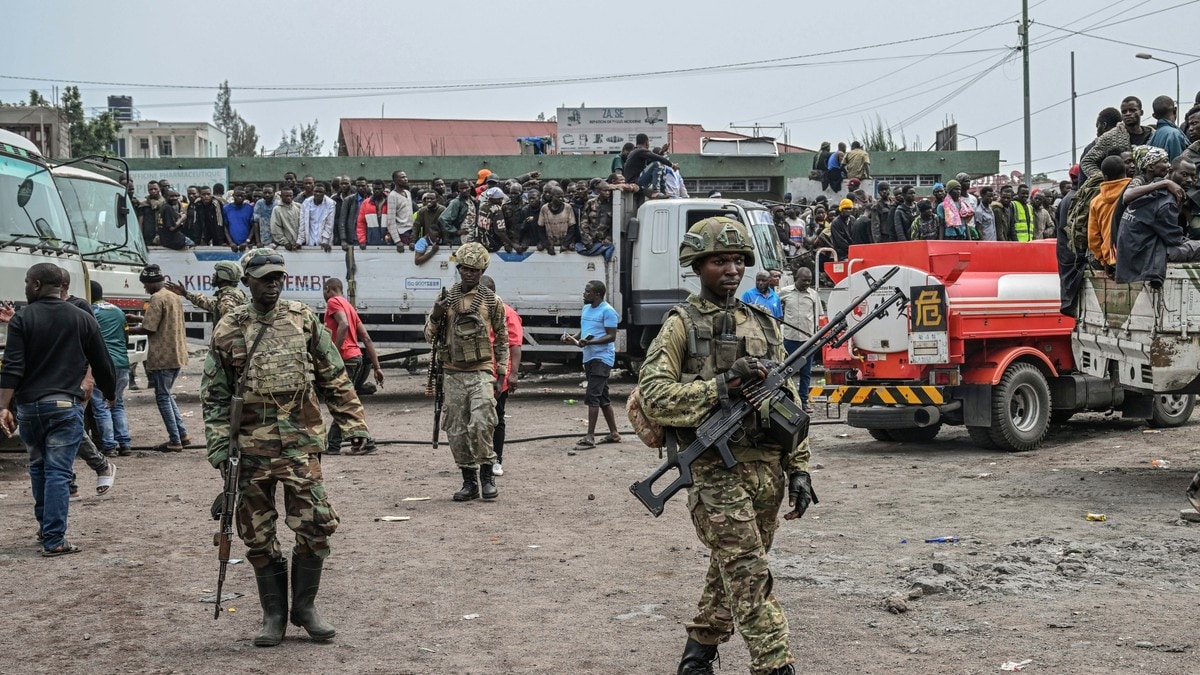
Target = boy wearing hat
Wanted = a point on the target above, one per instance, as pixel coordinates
(470, 317)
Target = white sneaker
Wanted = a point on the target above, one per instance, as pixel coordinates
(497, 469)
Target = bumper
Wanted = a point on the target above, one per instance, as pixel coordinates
(875, 395)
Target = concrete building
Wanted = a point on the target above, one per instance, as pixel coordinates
(43, 125)
(151, 139)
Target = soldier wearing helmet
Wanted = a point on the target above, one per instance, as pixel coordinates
(472, 314)
(226, 274)
(708, 348)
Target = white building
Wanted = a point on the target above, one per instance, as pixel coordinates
(150, 139)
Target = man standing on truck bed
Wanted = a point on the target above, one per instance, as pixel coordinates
(469, 310)
(702, 354)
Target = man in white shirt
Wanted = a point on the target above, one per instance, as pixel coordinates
(399, 215)
(316, 220)
(673, 182)
(801, 311)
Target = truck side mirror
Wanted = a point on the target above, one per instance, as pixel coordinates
(24, 192)
(122, 211)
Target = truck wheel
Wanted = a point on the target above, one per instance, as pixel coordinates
(880, 435)
(1172, 410)
(1020, 409)
(982, 436)
(918, 435)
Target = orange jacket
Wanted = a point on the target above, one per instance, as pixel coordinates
(1100, 213)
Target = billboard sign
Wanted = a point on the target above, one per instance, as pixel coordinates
(180, 178)
(608, 129)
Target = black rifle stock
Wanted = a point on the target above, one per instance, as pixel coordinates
(724, 422)
(435, 384)
(223, 539)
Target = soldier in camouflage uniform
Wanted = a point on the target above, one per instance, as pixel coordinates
(226, 275)
(279, 433)
(706, 350)
(470, 311)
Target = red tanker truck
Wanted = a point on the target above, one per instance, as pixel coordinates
(981, 343)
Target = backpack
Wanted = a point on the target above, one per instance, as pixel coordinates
(1076, 227)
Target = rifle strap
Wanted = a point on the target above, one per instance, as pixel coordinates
(240, 389)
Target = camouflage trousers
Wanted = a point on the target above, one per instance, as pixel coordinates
(734, 511)
(470, 411)
(309, 514)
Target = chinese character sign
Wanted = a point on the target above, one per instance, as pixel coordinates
(608, 129)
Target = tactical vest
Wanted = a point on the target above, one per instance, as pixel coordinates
(282, 363)
(468, 336)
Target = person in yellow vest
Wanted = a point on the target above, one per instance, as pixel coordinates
(1024, 225)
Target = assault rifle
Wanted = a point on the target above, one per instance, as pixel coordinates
(726, 421)
(435, 382)
(228, 499)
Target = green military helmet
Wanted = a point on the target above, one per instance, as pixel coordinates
(259, 262)
(227, 271)
(472, 255)
(718, 234)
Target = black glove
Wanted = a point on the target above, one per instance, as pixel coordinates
(800, 494)
(218, 506)
(747, 369)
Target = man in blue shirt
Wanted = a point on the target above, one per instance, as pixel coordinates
(112, 423)
(239, 217)
(1167, 135)
(763, 295)
(597, 336)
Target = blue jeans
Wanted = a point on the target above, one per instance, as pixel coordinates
(805, 371)
(597, 248)
(162, 381)
(653, 178)
(112, 424)
(51, 431)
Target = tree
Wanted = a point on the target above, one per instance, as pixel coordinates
(879, 138)
(302, 141)
(88, 137)
(241, 138)
(36, 98)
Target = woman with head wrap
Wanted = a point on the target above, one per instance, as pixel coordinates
(957, 214)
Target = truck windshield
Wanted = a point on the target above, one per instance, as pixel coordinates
(42, 219)
(91, 208)
(765, 244)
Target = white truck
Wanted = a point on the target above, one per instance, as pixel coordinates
(392, 293)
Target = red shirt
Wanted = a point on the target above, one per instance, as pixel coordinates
(516, 335)
(349, 347)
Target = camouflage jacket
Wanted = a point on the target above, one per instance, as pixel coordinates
(295, 362)
(221, 303)
(597, 222)
(682, 400)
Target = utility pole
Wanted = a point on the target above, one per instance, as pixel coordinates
(1073, 143)
(1025, 67)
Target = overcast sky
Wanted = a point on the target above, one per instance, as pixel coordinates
(942, 73)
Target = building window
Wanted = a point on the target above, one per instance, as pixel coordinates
(702, 186)
(164, 147)
(922, 180)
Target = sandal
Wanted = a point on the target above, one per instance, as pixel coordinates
(611, 438)
(65, 549)
(104, 483)
(585, 442)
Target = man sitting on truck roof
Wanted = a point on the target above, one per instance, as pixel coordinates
(1150, 236)
(1100, 212)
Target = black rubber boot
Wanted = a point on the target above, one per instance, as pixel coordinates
(697, 658)
(470, 488)
(784, 670)
(273, 594)
(489, 481)
(306, 580)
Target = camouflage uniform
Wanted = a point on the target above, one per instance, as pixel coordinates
(466, 356)
(281, 426)
(734, 510)
(226, 296)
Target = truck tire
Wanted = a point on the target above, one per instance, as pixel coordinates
(1172, 410)
(982, 437)
(880, 435)
(1020, 409)
(917, 435)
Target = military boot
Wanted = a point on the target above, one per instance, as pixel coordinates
(272, 593)
(697, 658)
(306, 580)
(488, 479)
(470, 488)
(784, 670)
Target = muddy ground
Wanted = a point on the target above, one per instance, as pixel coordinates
(566, 572)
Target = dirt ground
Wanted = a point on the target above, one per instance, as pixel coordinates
(567, 572)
